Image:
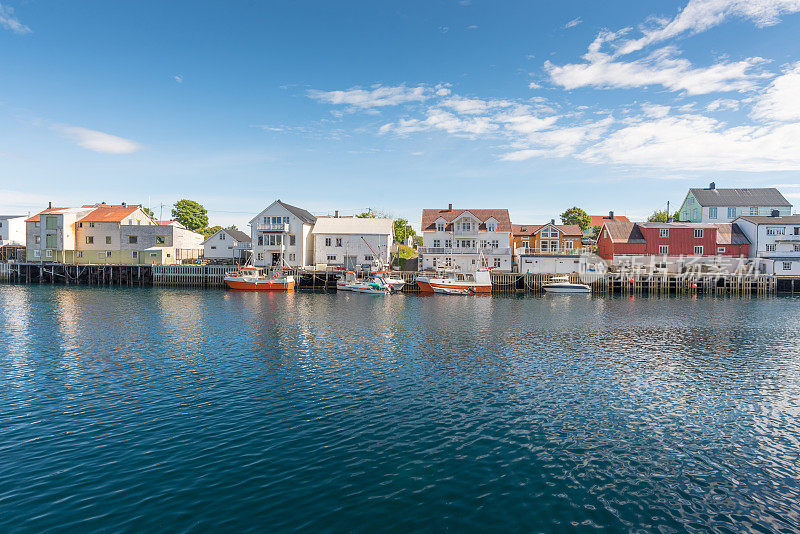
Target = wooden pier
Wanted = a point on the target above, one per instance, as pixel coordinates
(211, 276)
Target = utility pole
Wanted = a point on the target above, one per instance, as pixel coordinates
(161, 213)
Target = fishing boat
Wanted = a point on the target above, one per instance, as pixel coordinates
(395, 284)
(251, 278)
(343, 283)
(373, 285)
(561, 284)
(452, 290)
(477, 282)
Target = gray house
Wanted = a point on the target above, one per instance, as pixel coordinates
(712, 205)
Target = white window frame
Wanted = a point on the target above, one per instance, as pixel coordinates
(787, 266)
(698, 250)
(663, 250)
(331, 257)
(699, 233)
(328, 241)
(731, 213)
(771, 247)
(712, 213)
(720, 250)
(663, 232)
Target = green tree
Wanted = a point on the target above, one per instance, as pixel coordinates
(191, 214)
(596, 231)
(575, 215)
(662, 216)
(231, 227)
(149, 213)
(402, 231)
(208, 232)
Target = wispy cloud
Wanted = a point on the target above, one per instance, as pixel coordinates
(178, 78)
(376, 96)
(10, 22)
(781, 100)
(97, 141)
(574, 22)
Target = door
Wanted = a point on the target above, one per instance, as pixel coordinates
(276, 258)
(350, 262)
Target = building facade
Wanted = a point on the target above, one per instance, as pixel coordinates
(352, 242)
(712, 205)
(466, 240)
(597, 221)
(12, 230)
(281, 236)
(546, 248)
(775, 241)
(226, 244)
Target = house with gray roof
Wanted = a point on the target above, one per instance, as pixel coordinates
(281, 236)
(712, 205)
(775, 242)
(227, 244)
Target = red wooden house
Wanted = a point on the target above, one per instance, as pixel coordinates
(671, 239)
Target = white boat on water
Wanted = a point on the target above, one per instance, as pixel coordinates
(477, 282)
(452, 290)
(372, 285)
(561, 284)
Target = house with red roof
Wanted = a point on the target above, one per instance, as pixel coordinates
(599, 220)
(466, 239)
(547, 248)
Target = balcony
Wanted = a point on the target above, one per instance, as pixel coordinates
(525, 251)
(269, 227)
(452, 251)
(791, 238)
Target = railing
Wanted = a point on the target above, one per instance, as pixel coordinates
(560, 252)
(269, 227)
(779, 254)
(790, 237)
(465, 250)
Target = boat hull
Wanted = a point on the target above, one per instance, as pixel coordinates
(430, 285)
(567, 288)
(260, 285)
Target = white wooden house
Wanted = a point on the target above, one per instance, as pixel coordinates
(227, 244)
(281, 236)
(352, 241)
(775, 242)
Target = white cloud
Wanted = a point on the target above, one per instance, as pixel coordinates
(99, 141)
(781, 100)
(11, 22)
(376, 96)
(178, 78)
(701, 15)
(474, 106)
(534, 85)
(723, 104)
(655, 111)
(560, 141)
(574, 22)
(472, 27)
(662, 67)
(695, 142)
(439, 119)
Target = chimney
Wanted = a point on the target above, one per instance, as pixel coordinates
(49, 205)
(611, 215)
(124, 204)
(336, 214)
(449, 207)
(712, 185)
(552, 221)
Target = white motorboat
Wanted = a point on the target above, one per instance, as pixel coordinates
(452, 290)
(344, 282)
(561, 284)
(371, 285)
(477, 282)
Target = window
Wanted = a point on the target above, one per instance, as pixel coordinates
(51, 223)
(260, 256)
(135, 254)
(491, 227)
(37, 239)
(663, 232)
(440, 227)
(132, 239)
(787, 266)
(108, 240)
(797, 230)
(108, 254)
(771, 247)
(495, 243)
(448, 243)
(80, 253)
(754, 211)
(497, 262)
(338, 241)
(448, 262)
(89, 240)
(553, 246)
(213, 248)
(37, 253)
(691, 200)
(731, 213)
(327, 241)
(48, 253)
(222, 236)
(544, 246)
(523, 229)
(368, 257)
(720, 250)
(160, 239)
(698, 250)
(776, 230)
(292, 257)
(712, 213)
(91, 225)
(466, 226)
(292, 240)
(568, 245)
(50, 241)
(796, 247)
(698, 233)
(153, 254)
(663, 250)
(331, 258)
(260, 240)
(436, 243)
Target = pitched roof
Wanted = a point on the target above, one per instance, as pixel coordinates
(109, 213)
(598, 220)
(624, 232)
(35, 218)
(429, 217)
(531, 229)
(300, 213)
(11, 216)
(786, 219)
(762, 196)
(238, 235)
(731, 234)
(353, 225)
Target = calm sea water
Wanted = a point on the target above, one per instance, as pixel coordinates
(188, 410)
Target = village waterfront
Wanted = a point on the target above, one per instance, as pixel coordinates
(164, 409)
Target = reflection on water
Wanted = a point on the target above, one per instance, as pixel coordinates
(140, 409)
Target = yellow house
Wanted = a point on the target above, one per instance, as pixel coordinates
(548, 238)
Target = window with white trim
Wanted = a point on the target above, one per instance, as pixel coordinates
(698, 250)
(135, 254)
(80, 253)
(698, 233)
(663, 232)
(771, 247)
(797, 247)
(497, 262)
(368, 257)
(328, 241)
(448, 243)
(292, 257)
(720, 250)
(663, 250)
(108, 253)
(712, 213)
(448, 262)
(754, 210)
(37, 253)
(491, 227)
(731, 213)
(292, 240)
(48, 253)
(787, 266)
(437, 243)
(89, 239)
(338, 241)
(440, 227)
(776, 230)
(331, 257)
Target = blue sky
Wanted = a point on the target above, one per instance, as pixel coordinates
(530, 106)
